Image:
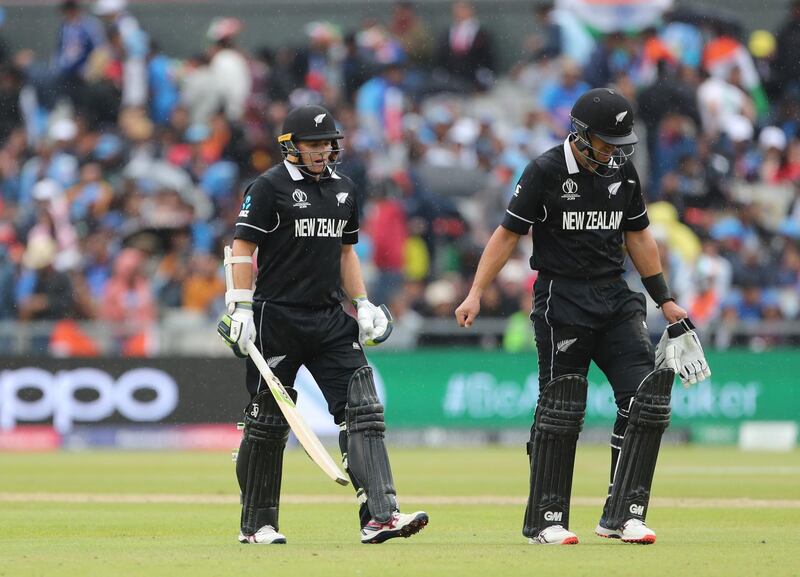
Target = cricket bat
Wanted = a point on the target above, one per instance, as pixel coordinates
(300, 428)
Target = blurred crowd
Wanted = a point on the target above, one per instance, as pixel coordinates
(121, 167)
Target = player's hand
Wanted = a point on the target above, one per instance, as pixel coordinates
(468, 310)
(679, 349)
(374, 323)
(237, 328)
(673, 312)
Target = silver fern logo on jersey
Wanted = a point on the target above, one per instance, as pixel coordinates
(341, 198)
(300, 198)
(570, 188)
(273, 362)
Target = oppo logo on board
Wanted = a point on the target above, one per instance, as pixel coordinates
(34, 394)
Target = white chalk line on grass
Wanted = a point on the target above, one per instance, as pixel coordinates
(732, 470)
(464, 500)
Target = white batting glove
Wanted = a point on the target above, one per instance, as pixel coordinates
(237, 328)
(679, 349)
(374, 323)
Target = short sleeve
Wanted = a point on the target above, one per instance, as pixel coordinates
(524, 204)
(256, 216)
(350, 233)
(636, 213)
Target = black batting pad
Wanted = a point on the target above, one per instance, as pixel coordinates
(649, 417)
(367, 459)
(259, 465)
(554, 435)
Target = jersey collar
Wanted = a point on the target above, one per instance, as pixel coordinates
(294, 172)
(572, 164)
(296, 175)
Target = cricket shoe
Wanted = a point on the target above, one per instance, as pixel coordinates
(554, 535)
(264, 536)
(632, 531)
(399, 525)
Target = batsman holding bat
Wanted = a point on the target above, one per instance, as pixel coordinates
(583, 199)
(303, 218)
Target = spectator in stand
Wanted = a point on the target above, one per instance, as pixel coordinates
(54, 160)
(90, 199)
(387, 227)
(705, 302)
(684, 40)
(8, 308)
(355, 68)
(719, 100)
(413, 35)
(723, 54)
(669, 94)
(229, 67)
(609, 56)
(790, 171)
(518, 337)
(771, 144)
(556, 100)
(762, 46)
(380, 104)
(675, 140)
(199, 90)
(11, 81)
(316, 65)
(162, 82)
(134, 43)
(171, 271)
(465, 52)
(749, 304)
(787, 59)
(204, 286)
(78, 36)
(43, 293)
(128, 303)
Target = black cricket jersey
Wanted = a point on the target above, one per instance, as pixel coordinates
(577, 217)
(299, 226)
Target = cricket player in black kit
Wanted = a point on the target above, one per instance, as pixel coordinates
(302, 217)
(582, 200)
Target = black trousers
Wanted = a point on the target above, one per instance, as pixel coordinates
(576, 322)
(324, 340)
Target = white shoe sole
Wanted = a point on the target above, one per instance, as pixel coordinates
(412, 528)
(601, 531)
(250, 539)
(567, 541)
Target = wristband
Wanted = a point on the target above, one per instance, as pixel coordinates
(682, 327)
(656, 287)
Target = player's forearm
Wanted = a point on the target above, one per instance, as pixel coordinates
(643, 251)
(494, 257)
(352, 281)
(243, 272)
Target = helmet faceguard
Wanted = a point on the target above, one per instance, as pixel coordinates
(310, 124)
(618, 158)
(289, 148)
(608, 116)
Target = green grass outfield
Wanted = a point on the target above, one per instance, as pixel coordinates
(716, 511)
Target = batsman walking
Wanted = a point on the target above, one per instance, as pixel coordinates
(582, 200)
(302, 217)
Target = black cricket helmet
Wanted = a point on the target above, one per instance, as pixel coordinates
(606, 114)
(309, 123)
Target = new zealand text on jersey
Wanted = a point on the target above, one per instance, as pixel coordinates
(591, 220)
(319, 227)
